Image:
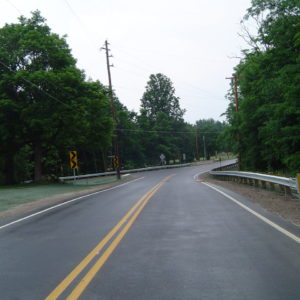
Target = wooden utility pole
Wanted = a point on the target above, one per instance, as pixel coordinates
(234, 80)
(116, 159)
(204, 148)
(236, 93)
(196, 142)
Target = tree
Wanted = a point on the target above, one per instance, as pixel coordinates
(160, 97)
(129, 137)
(94, 133)
(208, 132)
(161, 120)
(45, 100)
(269, 114)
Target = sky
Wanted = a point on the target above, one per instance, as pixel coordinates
(195, 43)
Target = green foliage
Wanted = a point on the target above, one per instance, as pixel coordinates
(268, 120)
(161, 122)
(45, 103)
(159, 97)
(130, 143)
(47, 108)
(211, 138)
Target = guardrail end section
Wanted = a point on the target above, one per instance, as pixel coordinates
(298, 183)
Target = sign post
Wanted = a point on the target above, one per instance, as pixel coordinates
(298, 182)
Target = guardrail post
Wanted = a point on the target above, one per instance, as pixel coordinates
(298, 183)
(287, 190)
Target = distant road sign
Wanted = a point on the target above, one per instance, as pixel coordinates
(73, 160)
(162, 158)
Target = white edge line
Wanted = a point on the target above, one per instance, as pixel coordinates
(64, 203)
(269, 222)
(197, 175)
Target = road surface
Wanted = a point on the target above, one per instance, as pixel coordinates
(162, 236)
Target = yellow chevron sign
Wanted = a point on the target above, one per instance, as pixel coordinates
(116, 162)
(73, 160)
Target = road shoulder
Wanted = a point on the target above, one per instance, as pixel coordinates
(285, 206)
(45, 202)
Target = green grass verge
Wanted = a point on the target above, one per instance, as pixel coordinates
(12, 196)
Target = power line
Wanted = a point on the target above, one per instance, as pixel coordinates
(82, 25)
(14, 7)
(117, 129)
(164, 131)
(38, 87)
(143, 66)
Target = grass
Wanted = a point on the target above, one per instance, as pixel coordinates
(12, 196)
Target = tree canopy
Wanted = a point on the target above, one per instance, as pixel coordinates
(48, 108)
(268, 120)
(159, 97)
(45, 102)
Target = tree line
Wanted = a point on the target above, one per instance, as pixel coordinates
(48, 108)
(266, 128)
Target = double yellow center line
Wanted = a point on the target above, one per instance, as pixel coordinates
(127, 221)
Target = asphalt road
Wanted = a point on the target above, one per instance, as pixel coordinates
(163, 236)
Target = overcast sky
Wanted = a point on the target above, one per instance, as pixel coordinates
(190, 41)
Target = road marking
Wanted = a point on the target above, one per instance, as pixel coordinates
(129, 217)
(266, 220)
(64, 203)
(197, 175)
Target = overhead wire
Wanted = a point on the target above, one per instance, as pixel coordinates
(81, 24)
(147, 68)
(142, 67)
(8, 1)
(164, 131)
(39, 88)
(33, 84)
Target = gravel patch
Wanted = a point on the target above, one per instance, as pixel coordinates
(286, 206)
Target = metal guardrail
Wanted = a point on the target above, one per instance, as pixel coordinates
(225, 167)
(123, 172)
(254, 178)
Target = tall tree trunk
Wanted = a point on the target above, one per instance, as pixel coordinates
(103, 160)
(37, 162)
(95, 162)
(9, 168)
